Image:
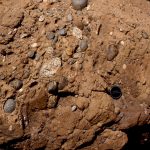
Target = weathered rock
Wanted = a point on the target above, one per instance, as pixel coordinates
(82, 103)
(112, 139)
(101, 109)
(12, 18)
(77, 32)
(48, 69)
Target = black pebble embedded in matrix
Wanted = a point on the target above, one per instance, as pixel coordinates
(115, 92)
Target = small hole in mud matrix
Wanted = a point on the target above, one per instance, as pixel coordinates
(115, 92)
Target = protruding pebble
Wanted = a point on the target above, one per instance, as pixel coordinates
(77, 32)
(31, 54)
(79, 4)
(83, 45)
(50, 35)
(112, 52)
(52, 87)
(9, 106)
(34, 45)
(41, 18)
(63, 82)
(69, 17)
(16, 84)
(124, 66)
(50, 68)
(73, 108)
(62, 32)
(145, 35)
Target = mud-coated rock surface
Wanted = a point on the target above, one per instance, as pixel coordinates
(57, 63)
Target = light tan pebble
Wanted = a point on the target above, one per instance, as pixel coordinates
(111, 33)
(88, 7)
(10, 32)
(121, 30)
(77, 32)
(23, 35)
(69, 51)
(122, 43)
(34, 45)
(124, 66)
(41, 18)
(49, 68)
(10, 128)
(15, 29)
(21, 90)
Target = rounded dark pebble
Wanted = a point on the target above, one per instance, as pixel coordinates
(69, 17)
(9, 106)
(52, 87)
(79, 4)
(51, 35)
(83, 45)
(62, 32)
(31, 54)
(115, 92)
(63, 82)
(111, 52)
(17, 84)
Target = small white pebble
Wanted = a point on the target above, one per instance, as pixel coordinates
(23, 35)
(14, 67)
(124, 66)
(15, 29)
(122, 43)
(73, 108)
(88, 7)
(21, 90)
(10, 32)
(41, 18)
(111, 33)
(34, 45)
(121, 30)
(10, 128)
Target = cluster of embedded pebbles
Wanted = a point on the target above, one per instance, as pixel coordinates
(49, 68)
